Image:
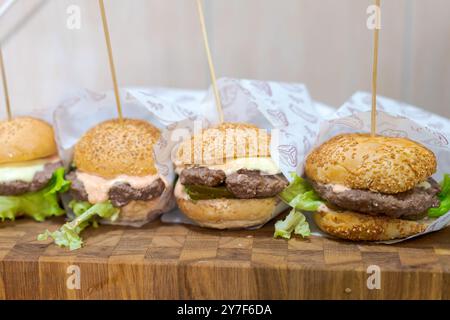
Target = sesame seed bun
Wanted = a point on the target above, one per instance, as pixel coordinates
(226, 141)
(229, 213)
(26, 139)
(361, 227)
(379, 164)
(117, 147)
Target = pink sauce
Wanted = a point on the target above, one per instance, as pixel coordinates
(97, 187)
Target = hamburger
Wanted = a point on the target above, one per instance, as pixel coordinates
(31, 173)
(114, 179)
(374, 188)
(227, 178)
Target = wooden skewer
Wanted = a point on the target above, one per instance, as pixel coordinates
(210, 62)
(111, 58)
(375, 72)
(5, 86)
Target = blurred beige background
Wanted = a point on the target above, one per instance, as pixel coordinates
(322, 43)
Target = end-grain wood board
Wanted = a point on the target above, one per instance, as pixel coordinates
(185, 262)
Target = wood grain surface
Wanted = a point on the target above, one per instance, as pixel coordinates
(185, 262)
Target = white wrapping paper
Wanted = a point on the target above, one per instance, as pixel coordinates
(286, 107)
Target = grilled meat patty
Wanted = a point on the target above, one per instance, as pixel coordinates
(244, 184)
(411, 204)
(40, 181)
(202, 176)
(120, 194)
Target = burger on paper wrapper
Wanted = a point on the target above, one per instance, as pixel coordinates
(389, 187)
(231, 175)
(114, 174)
(225, 187)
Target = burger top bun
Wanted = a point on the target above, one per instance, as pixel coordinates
(226, 141)
(118, 147)
(380, 164)
(25, 139)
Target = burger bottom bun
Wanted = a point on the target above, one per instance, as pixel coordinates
(138, 213)
(231, 213)
(361, 227)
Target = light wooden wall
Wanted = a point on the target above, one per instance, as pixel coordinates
(323, 43)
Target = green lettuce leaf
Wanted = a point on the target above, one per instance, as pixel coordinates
(68, 235)
(300, 195)
(444, 197)
(37, 205)
(80, 207)
(294, 222)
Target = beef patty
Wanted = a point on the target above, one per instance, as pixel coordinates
(244, 184)
(202, 176)
(411, 204)
(120, 193)
(40, 181)
(248, 184)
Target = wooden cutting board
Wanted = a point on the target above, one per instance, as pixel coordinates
(184, 262)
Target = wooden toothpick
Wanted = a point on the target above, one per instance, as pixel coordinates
(375, 71)
(111, 58)
(5, 86)
(210, 62)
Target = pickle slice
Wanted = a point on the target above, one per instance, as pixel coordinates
(197, 192)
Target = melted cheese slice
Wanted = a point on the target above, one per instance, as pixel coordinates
(424, 185)
(23, 171)
(97, 187)
(265, 165)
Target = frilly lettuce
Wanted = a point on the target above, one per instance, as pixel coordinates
(300, 196)
(37, 205)
(68, 235)
(444, 197)
(294, 222)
